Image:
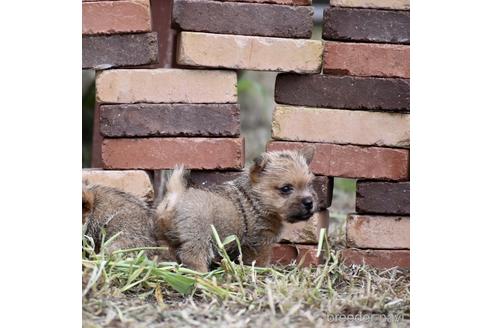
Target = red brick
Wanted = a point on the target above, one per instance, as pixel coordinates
(382, 232)
(165, 153)
(354, 161)
(285, 254)
(307, 254)
(111, 17)
(382, 259)
(366, 59)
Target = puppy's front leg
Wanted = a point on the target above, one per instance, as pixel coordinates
(193, 256)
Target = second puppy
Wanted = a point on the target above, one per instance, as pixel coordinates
(276, 189)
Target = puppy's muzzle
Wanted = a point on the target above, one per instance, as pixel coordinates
(307, 202)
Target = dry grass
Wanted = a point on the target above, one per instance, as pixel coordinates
(128, 290)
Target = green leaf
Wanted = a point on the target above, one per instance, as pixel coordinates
(181, 284)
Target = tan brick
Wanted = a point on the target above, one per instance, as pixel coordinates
(366, 59)
(354, 161)
(132, 181)
(341, 126)
(165, 153)
(379, 4)
(166, 86)
(285, 254)
(249, 52)
(386, 232)
(378, 258)
(110, 17)
(306, 232)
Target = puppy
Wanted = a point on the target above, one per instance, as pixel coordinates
(276, 189)
(115, 211)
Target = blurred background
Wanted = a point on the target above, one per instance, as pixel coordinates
(256, 98)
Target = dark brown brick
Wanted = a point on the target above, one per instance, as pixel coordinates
(383, 197)
(243, 18)
(382, 259)
(342, 92)
(101, 52)
(323, 185)
(367, 25)
(207, 179)
(165, 120)
(278, 2)
(324, 189)
(354, 161)
(166, 153)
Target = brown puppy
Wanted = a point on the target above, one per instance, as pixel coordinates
(275, 190)
(115, 211)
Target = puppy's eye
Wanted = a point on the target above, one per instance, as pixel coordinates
(287, 189)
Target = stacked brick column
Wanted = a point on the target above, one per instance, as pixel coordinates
(258, 35)
(357, 115)
(117, 34)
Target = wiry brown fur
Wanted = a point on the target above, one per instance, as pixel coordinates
(252, 207)
(115, 211)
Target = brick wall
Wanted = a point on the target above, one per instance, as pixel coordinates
(347, 94)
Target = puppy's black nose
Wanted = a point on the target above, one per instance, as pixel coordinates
(308, 203)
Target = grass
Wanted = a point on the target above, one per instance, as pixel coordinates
(128, 289)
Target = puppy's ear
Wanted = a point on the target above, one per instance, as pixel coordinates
(257, 167)
(87, 202)
(308, 153)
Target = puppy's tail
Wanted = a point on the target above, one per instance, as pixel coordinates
(175, 187)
